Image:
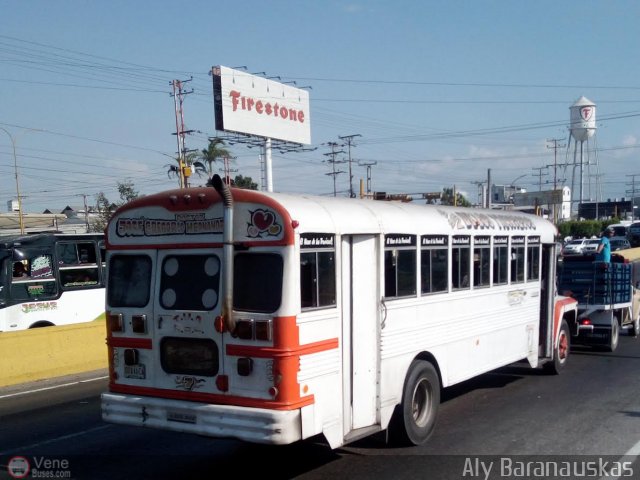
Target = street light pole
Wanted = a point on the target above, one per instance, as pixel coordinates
(513, 182)
(15, 169)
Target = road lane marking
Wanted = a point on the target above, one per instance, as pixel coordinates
(17, 394)
(26, 448)
(631, 456)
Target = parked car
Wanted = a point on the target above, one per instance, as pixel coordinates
(619, 243)
(633, 234)
(591, 246)
(620, 229)
(574, 247)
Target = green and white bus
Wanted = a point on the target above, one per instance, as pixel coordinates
(50, 279)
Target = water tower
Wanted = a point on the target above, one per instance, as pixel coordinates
(583, 129)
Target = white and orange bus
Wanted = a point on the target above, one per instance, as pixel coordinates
(273, 318)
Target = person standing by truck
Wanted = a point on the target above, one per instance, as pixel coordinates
(603, 253)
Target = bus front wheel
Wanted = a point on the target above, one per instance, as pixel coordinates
(560, 350)
(415, 418)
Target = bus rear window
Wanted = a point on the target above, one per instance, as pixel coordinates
(129, 281)
(190, 282)
(257, 282)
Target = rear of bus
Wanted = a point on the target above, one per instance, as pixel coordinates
(178, 360)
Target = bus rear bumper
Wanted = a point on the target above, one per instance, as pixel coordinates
(256, 425)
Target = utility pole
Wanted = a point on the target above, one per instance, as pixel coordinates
(184, 171)
(349, 140)
(368, 165)
(555, 158)
(539, 175)
(228, 170)
(489, 193)
(333, 162)
(555, 173)
(86, 212)
(633, 194)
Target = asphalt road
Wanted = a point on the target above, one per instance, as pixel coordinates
(494, 426)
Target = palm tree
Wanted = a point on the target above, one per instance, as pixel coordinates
(209, 156)
(447, 198)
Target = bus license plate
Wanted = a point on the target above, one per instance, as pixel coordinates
(135, 371)
(181, 417)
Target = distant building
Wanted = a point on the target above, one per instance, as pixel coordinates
(623, 209)
(67, 220)
(559, 199)
(504, 193)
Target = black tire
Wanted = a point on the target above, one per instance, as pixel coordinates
(614, 337)
(415, 418)
(635, 326)
(561, 350)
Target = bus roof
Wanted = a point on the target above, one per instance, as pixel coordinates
(38, 239)
(318, 214)
(353, 216)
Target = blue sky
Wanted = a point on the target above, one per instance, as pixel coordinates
(439, 91)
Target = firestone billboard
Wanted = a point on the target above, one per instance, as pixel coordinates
(254, 105)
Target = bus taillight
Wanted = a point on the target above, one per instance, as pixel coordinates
(244, 329)
(114, 320)
(139, 323)
(249, 329)
(222, 382)
(264, 330)
(585, 321)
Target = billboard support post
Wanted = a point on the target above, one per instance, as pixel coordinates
(267, 164)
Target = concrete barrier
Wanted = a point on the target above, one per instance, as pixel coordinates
(42, 353)
(631, 254)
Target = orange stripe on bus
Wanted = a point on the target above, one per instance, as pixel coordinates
(212, 398)
(271, 352)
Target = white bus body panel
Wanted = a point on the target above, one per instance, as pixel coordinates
(77, 306)
(250, 424)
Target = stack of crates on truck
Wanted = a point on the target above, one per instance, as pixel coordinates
(606, 294)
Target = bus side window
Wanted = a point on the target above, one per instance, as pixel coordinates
(461, 262)
(400, 271)
(78, 265)
(317, 279)
(20, 270)
(73, 278)
(517, 259)
(39, 284)
(500, 254)
(67, 253)
(533, 258)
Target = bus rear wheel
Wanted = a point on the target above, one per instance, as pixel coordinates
(415, 418)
